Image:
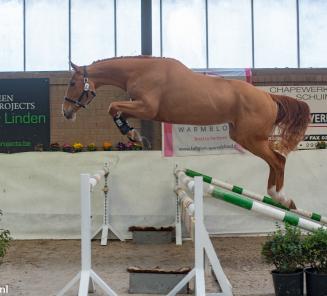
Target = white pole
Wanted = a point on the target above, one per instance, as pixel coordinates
(86, 280)
(86, 221)
(199, 251)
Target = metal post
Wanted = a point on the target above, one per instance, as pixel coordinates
(298, 47)
(178, 223)
(106, 226)
(146, 27)
(146, 49)
(252, 33)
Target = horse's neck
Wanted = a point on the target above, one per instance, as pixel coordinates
(112, 72)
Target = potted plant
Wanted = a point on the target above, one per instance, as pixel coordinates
(315, 250)
(321, 145)
(91, 147)
(67, 148)
(283, 249)
(38, 147)
(78, 147)
(121, 146)
(107, 146)
(133, 146)
(4, 241)
(54, 147)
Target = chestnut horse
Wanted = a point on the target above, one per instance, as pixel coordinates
(163, 89)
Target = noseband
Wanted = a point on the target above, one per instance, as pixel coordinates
(86, 90)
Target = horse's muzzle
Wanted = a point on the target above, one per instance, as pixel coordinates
(68, 114)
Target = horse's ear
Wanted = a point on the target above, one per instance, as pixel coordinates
(75, 67)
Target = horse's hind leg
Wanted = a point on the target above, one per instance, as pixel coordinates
(271, 181)
(276, 164)
(277, 191)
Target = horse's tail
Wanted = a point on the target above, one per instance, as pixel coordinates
(292, 120)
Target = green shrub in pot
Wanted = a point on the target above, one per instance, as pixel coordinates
(284, 250)
(4, 241)
(315, 250)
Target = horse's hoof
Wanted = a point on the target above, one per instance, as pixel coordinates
(291, 205)
(134, 136)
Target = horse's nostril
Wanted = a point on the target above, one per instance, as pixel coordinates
(68, 115)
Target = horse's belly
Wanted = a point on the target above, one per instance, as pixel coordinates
(196, 116)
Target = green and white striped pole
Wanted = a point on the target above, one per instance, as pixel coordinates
(249, 204)
(262, 198)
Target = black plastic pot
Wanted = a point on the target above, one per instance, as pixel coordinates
(288, 284)
(316, 282)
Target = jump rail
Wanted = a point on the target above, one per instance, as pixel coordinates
(203, 244)
(249, 204)
(87, 277)
(262, 198)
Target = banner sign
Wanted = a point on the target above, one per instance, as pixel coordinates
(316, 97)
(184, 140)
(24, 114)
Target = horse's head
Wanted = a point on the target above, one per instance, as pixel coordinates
(80, 92)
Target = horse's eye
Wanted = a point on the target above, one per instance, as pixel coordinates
(72, 83)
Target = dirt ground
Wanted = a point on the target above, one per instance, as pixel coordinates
(43, 267)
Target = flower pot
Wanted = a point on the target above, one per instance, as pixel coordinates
(290, 284)
(316, 282)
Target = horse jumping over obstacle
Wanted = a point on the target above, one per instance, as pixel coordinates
(165, 90)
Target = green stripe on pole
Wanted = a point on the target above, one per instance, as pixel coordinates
(233, 199)
(291, 219)
(316, 217)
(268, 200)
(193, 174)
(237, 189)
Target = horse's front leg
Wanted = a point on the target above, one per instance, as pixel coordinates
(120, 111)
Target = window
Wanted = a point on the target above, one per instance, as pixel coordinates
(11, 35)
(313, 32)
(184, 33)
(275, 37)
(47, 41)
(92, 30)
(128, 27)
(43, 35)
(229, 31)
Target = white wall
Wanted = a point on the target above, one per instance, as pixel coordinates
(39, 191)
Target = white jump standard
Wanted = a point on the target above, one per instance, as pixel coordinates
(87, 277)
(203, 244)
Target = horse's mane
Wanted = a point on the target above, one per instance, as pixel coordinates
(125, 57)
